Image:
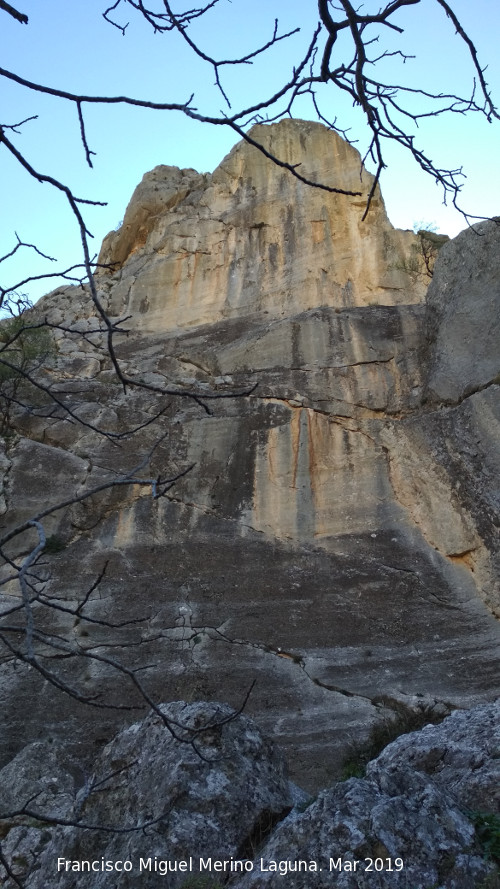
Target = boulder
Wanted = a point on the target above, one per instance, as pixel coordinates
(194, 795)
(42, 778)
(405, 824)
(189, 781)
(463, 317)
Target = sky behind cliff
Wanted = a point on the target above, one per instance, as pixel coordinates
(69, 45)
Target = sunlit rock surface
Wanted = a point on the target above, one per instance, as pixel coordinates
(336, 538)
(251, 239)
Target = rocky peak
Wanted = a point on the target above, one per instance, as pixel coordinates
(336, 537)
(252, 239)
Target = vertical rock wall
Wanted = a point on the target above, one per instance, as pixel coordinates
(337, 536)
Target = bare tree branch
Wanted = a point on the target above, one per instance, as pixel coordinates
(19, 16)
(490, 108)
(327, 67)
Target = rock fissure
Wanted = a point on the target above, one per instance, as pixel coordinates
(470, 392)
(334, 512)
(341, 691)
(298, 660)
(367, 363)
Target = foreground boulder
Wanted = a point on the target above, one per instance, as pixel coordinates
(404, 824)
(214, 806)
(203, 791)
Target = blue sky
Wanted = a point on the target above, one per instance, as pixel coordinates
(69, 45)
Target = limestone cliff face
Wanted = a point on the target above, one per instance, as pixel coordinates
(251, 239)
(337, 536)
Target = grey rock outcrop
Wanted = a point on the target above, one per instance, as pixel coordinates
(463, 315)
(41, 777)
(204, 795)
(461, 756)
(41, 771)
(225, 800)
(405, 823)
(337, 536)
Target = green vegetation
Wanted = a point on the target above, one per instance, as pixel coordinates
(492, 881)
(383, 733)
(23, 348)
(430, 245)
(487, 828)
(54, 544)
